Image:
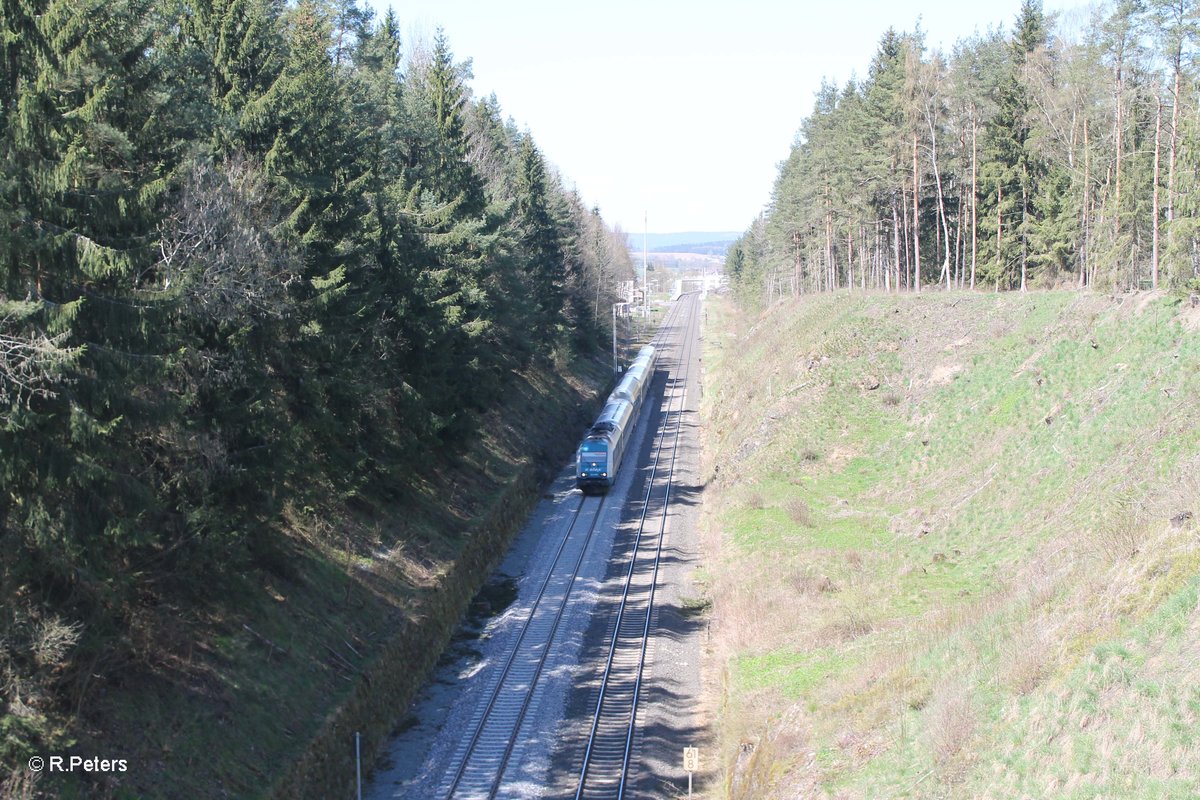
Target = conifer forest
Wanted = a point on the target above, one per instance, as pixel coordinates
(252, 253)
(268, 264)
(1052, 153)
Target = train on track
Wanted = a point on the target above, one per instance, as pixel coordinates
(603, 448)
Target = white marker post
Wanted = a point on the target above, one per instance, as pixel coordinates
(691, 763)
(358, 762)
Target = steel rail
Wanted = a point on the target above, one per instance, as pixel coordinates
(498, 689)
(685, 348)
(662, 526)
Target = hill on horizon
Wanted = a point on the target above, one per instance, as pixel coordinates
(661, 242)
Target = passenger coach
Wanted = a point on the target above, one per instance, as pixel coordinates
(603, 448)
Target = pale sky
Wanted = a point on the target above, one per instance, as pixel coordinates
(676, 110)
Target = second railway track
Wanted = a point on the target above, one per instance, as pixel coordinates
(609, 753)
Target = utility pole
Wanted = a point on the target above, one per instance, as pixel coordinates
(645, 235)
(616, 368)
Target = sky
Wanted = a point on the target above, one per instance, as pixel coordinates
(675, 115)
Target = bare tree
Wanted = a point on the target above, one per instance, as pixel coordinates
(218, 253)
(914, 111)
(1175, 26)
(931, 77)
(31, 361)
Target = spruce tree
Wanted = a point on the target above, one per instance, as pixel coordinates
(237, 50)
(83, 173)
(1013, 169)
(463, 244)
(540, 244)
(884, 171)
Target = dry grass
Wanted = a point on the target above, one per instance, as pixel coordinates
(759, 757)
(987, 645)
(808, 583)
(952, 722)
(760, 604)
(851, 624)
(799, 512)
(1026, 657)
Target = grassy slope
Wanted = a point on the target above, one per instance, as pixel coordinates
(226, 699)
(942, 557)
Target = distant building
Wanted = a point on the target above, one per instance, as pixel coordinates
(629, 290)
(705, 283)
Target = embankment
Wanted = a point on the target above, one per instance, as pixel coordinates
(953, 546)
(260, 693)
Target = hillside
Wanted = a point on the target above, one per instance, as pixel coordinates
(256, 690)
(713, 249)
(953, 546)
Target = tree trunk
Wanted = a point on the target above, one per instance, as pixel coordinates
(1085, 256)
(862, 259)
(906, 234)
(1154, 201)
(1171, 148)
(1172, 145)
(1118, 136)
(881, 268)
(850, 257)
(960, 259)
(916, 225)
(974, 195)
(999, 232)
(937, 179)
(828, 242)
(1023, 232)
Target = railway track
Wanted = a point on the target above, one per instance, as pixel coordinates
(608, 754)
(484, 754)
(482, 757)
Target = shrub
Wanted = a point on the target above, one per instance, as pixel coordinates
(799, 512)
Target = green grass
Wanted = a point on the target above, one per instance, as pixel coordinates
(989, 524)
(793, 674)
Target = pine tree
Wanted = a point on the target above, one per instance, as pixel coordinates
(1175, 25)
(884, 172)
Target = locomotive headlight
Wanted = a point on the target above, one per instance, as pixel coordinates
(603, 474)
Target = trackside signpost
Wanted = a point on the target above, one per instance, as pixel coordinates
(691, 763)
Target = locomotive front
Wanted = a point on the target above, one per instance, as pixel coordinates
(594, 463)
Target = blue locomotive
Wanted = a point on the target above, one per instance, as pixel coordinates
(603, 448)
